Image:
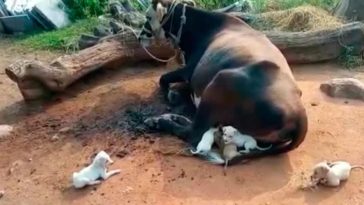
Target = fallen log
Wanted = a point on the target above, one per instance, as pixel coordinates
(312, 47)
(35, 79)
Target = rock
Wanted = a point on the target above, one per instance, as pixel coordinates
(127, 5)
(116, 8)
(10, 171)
(13, 166)
(5, 130)
(55, 138)
(122, 153)
(64, 130)
(116, 27)
(350, 88)
(134, 19)
(128, 189)
(87, 41)
(32, 171)
(102, 31)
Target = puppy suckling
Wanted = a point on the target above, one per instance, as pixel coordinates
(331, 173)
(232, 135)
(228, 139)
(228, 150)
(92, 174)
(205, 145)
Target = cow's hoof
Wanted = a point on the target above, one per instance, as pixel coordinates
(174, 97)
(167, 121)
(151, 122)
(160, 122)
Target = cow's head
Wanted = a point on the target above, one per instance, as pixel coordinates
(156, 16)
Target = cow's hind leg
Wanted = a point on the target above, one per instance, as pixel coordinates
(201, 123)
(172, 77)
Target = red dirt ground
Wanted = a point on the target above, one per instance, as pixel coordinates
(35, 169)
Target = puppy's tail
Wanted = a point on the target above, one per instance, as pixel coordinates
(357, 167)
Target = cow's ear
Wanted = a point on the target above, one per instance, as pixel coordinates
(161, 10)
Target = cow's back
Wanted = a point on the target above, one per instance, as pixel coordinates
(234, 47)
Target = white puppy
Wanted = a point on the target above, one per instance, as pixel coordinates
(331, 174)
(207, 140)
(97, 169)
(232, 135)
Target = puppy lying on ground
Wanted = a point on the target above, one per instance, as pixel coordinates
(92, 174)
(331, 173)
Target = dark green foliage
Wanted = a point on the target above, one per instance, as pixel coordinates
(79, 9)
(214, 4)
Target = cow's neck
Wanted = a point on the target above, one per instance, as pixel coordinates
(198, 30)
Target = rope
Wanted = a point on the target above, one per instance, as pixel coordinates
(176, 39)
(147, 51)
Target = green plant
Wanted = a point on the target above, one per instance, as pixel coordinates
(214, 4)
(260, 5)
(350, 58)
(79, 9)
(62, 39)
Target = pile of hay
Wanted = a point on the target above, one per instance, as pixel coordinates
(303, 18)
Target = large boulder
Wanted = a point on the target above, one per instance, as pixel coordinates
(349, 88)
(5, 130)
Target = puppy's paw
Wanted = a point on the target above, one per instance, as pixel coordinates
(117, 171)
(94, 182)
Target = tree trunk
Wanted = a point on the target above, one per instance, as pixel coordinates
(312, 47)
(35, 79)
(351, 10)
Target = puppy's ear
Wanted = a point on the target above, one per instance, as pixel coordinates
(324, 170)
(220, 128)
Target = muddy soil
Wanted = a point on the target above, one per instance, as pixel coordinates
(99, 112)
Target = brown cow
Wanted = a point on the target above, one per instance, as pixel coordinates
(237, 77)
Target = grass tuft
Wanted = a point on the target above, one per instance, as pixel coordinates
(61, 39)
(350, 58)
